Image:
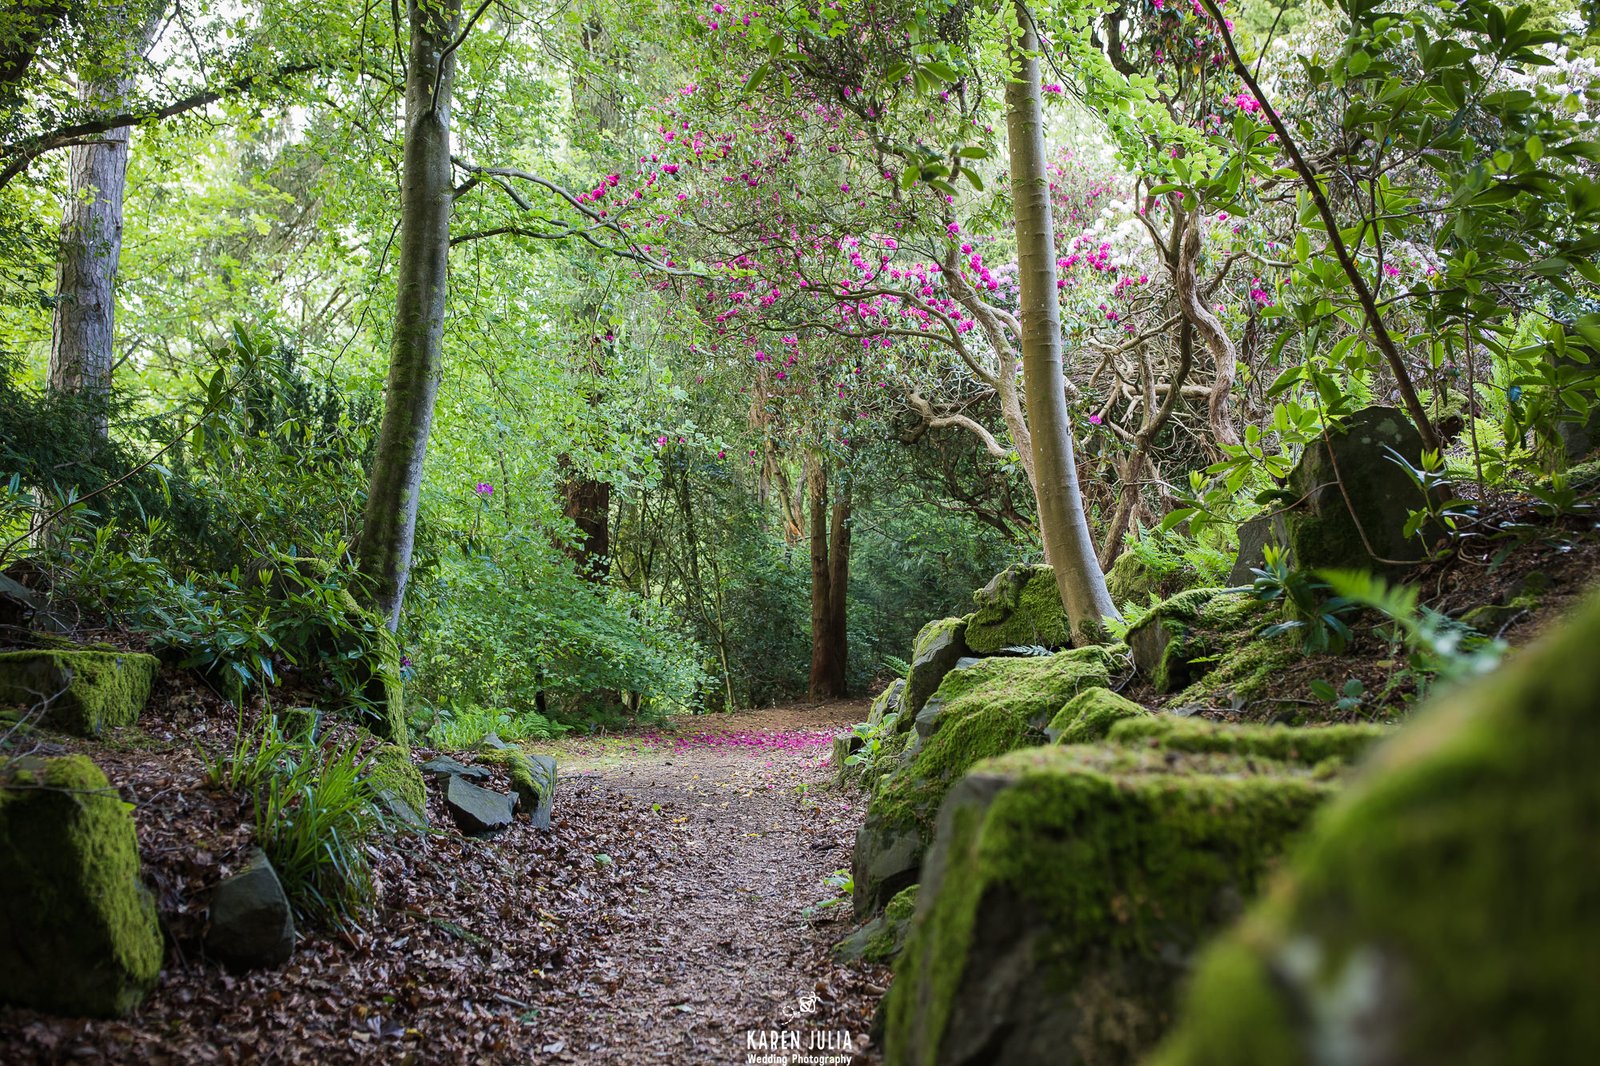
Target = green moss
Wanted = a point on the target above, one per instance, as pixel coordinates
(1235, 985)
(1186, 637)
(989, 708)
(1090, 714)
(392, 773)
(524, 780)
(86, 691)
(1021, 606)
(383, 707)
(887, 702)
(1250, 672)
(1135, 579)
(1309, 746)
(886, 943)
(1443, 912)
(1113, 865)
(937, 648)
(78, 932)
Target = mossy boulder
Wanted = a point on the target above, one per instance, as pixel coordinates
(887, 702)
(987, 708)
(1256, 534)
(1089, 716)
(1305, 745)
(1019, 607)
(1445, 911)
(881, 938)
(1066, 892)
(1183, 638)
(937, 649)
(1135, 577)
(1348, 501)
(1518, 601)
(398, 785)
(83, 691)
(533, 779)
(1247, 679)
(78, 931)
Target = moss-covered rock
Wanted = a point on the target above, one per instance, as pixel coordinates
(1020, 606)
(533, 779)
(887, 702)
(1445, 912)
(881, 938)
(987, 708)
(1521, 599)
(1256, 534)
(1066, 891)
(1183, 638)
(1089, 716)
(1308, 745)
(937, 649)
(78, 932)
(1348, 500)
(83, 691)
(398, 784)
(1247, 678)
(1137, 578)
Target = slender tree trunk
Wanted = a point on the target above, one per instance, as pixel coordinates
(83, 326)
(1065, 528)
(1195, 313)
(827, 621)
(416, 350)
(839, 589)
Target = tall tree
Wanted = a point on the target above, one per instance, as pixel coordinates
(1067, 543)
(84, 322)
(416, 349)
(830, 580)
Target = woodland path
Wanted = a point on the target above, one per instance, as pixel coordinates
(721, 940)
(662, 915)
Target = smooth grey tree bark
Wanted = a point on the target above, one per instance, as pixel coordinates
(421, 274)
(83, 324)
(1068, 546)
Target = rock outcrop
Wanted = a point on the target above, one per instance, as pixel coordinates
(1020, 606)
(1069, 887)
(81, 692)
(985, 708)
(78, 931)
(1445, 910)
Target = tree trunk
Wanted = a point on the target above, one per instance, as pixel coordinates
(416, 350)
(1065, 528)
(83, 326)
(584, 498)
(827, 621)
(1195, 313)
(838, 592)
(587, 501)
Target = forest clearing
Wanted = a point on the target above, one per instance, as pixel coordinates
(908, 532)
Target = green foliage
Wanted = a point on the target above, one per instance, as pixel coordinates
(839, 885)
(1316, 616)
(458, 729)
(1439, 649)
(314, 810)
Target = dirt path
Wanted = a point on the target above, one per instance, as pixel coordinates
(722, 943)
(660, 919)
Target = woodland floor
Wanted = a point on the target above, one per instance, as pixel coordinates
(671, 908)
